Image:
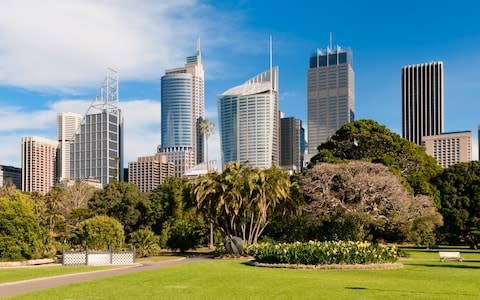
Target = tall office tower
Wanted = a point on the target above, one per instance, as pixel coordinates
(422, 101)
(292, 144)
(67, 125)
(330, 93)
(249, 121)
(450, 147)
(39, 156)
(148, 172)
(11, 173)
(97, 151)
(183, 109)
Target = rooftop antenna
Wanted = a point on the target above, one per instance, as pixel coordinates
(271, 74)
(331, 42)
(198, 46)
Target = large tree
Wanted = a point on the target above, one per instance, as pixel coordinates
(21, 235)
(124, 202)
(239, 200)
(369, 141)
(459, 187)
(366, 198)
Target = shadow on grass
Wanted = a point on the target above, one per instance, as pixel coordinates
(407, 291)
(449, 266)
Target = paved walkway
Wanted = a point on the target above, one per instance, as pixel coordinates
(19, 287)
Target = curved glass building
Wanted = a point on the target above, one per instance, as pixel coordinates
(249, 121)
(177, 111)
(182, 109)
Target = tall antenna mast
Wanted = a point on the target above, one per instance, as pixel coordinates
(198, 46)
(271, 67)
(331, 42)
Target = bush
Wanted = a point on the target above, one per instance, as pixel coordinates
(145, 243)
(318, 253)
(99, 233)
(20, 230)
(184, 235)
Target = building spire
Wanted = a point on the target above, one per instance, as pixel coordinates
(331, 41)
(198, 52)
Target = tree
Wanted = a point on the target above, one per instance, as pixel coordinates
(20, 230)
(239, 200)
(124, 202)
(459, 187)
(367, 197)
(99, 233)
(369, 141)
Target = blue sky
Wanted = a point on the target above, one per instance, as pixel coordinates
(46, 68)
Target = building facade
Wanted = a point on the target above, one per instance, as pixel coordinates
(292, 144)
(449, 148)
(67, 125)
(39, 157)
(422, 101)
(330, 94)
(249, 121)
(183, 108)
(148, 172)
(12, 174)
(97, 150)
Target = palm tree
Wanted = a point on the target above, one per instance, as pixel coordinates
(206, 127)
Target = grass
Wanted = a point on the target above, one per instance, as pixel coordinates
(421, 278)
(23, 273)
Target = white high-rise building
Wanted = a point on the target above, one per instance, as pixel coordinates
(67, 125)
(39, 156)
(249, 121)
(449, 148)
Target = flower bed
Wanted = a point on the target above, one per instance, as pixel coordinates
(324, 253)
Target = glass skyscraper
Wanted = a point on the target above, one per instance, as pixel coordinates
(330, 94)
(183, 108)
(249, 121)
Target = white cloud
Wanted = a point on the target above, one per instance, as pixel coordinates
(56, 44)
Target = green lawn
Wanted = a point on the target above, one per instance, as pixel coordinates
(15, 274)
(421, 278)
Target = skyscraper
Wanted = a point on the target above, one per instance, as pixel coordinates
(98, 147)
(183, 108)
(330, 94)
(67, 125)
(422, 101)
(292, 144)
(39, 156)
(11, 173)
(449, 148)
(249, 121)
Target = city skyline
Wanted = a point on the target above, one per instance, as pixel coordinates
(36, 78)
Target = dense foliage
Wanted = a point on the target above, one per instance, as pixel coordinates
(145, 243)
(185, 234)
(369, 141)
(366, 199)
(318, 253)
(99, 233)
(21, 236)
(459, 187)
(124, 202)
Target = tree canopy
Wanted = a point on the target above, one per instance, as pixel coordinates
(459, 187)
(369, 141)
(366, 197)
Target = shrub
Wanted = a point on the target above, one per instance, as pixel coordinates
(145, 243)
(184, 235)
(99, 233)
(317, 253)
